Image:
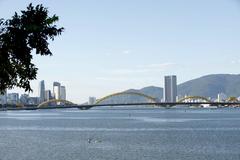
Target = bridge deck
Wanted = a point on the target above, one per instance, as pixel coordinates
(163, 104)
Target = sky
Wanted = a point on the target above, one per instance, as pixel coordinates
(114, 45)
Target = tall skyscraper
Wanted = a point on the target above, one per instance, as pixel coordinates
(170, 88)
(63, 92)
(56, 90)
(41, 91)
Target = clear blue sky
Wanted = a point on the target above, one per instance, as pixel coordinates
(114, 45)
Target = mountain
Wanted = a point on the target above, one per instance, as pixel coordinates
(156, 92)
(206, 86)
(211, 85)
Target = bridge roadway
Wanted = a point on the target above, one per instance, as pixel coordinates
(162, 104)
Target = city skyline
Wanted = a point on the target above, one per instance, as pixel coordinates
(58, 92)
(171, 92)
(109, 47)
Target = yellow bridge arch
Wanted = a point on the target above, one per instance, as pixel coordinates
(55, 100)
(194, 98)
(126, 93)
(232, 99)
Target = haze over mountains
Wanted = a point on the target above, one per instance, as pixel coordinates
(206, 86)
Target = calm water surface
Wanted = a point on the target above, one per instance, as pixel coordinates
(120, 134)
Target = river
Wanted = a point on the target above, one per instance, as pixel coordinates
(120, 134)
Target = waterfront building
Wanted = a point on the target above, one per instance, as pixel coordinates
(56, 90)
(221, 97)
(33, 100)
(24, 99)
(48, 95)
(41, 91)
(238, 98)
(12, 98)
(91, 100)
(63, 92)
(3, 98)
(170, 88)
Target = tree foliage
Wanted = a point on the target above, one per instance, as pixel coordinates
(20, 37)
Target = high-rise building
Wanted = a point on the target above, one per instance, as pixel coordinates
(170, 88)
(41, 91)
(91, 100)
(56, 90)
(24, 99)
(12, 98)
(3, 98)
(63, 92)
(48, 95)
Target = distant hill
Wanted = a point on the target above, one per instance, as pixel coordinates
(211, 85)
(207, 86)
(153, 91)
